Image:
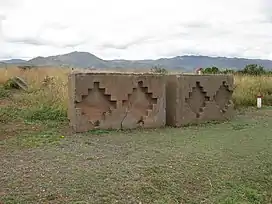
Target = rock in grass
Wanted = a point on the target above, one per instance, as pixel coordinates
(16, 83)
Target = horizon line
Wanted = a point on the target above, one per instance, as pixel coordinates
(169, 57)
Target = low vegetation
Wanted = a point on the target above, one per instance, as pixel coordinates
(48, 86)
(42, 161)
(251, 69)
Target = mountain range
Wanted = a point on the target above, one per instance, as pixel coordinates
(187, 62)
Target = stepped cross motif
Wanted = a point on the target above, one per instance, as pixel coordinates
(140, 101)
(197, 99)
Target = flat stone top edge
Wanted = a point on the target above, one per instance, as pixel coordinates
(143, 74)
(116, 74)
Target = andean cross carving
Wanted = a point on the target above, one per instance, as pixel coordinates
(97, 105)
(198, 97)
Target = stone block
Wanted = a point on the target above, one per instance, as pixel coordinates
(116, 101)
(192, 99)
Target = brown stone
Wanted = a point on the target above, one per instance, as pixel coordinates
(194, 99)
(116, 101)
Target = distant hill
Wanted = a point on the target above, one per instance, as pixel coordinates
(187, 63)
(14, 61)
(74, 59)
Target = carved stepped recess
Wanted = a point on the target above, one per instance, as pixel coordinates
(115, 101)
(106, 92)
(197, 99)
(223, 97)
(140, 102)
(97, 104)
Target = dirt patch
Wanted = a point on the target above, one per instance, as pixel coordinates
(5, 102)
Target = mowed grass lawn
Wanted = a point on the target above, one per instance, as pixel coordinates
(42, 161)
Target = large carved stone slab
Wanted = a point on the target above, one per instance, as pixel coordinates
(195, 99)
(116, 101)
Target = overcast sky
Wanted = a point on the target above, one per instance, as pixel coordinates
(136, 29)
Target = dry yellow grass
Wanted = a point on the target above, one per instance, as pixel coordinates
(35, 75)
(54, 94)
(247, 87)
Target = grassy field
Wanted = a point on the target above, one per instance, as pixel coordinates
(247, 87)
(42, 161)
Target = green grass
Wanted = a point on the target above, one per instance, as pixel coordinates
(4, 93)
(44, 162)
(45, 113)
(228, 163)
(33, 125)
(42, 113)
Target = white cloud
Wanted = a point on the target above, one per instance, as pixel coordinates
(133, 29)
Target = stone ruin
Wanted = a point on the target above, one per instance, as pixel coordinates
(127, 101)
(196, 99)
(116, 101)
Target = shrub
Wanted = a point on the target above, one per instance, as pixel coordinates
(159, 70)
(211, 70)
(254, 69)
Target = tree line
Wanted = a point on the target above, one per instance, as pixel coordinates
(250, 69)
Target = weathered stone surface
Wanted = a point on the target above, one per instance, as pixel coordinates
(115, 101)
(194, 99)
